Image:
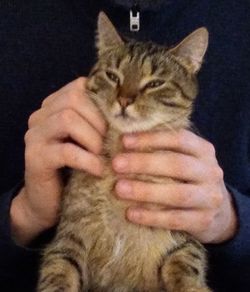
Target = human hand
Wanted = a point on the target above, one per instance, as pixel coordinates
(197, 201)
(66, 131)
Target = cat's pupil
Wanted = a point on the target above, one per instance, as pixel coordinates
(113, 77)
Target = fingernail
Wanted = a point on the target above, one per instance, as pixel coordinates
(124, 189)
(130, 141)
(120, 163)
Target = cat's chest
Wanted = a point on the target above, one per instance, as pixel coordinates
(107, 213)
(115, 246)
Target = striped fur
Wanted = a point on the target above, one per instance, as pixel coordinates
(138, 87)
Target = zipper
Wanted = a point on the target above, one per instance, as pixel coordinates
(134, 17)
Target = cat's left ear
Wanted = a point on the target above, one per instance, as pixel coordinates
(192, 49)
(107, 35)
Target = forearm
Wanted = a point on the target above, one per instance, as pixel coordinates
(15, 260)
(24, 226)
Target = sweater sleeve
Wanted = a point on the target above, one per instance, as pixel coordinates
(233, 256)
(16, 262)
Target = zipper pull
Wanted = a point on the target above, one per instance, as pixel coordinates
(134, 18)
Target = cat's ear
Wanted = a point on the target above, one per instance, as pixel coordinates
(107, 35)
(192, 49)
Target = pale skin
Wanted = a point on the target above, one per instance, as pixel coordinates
(200, 205)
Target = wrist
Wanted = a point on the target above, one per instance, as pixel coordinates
(25, 226)
(231, 220)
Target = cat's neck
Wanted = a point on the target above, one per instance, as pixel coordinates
(113, 143)
(113, 140)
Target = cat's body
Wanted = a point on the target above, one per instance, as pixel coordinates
(96, 248)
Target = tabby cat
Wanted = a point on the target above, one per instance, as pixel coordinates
(138, 87)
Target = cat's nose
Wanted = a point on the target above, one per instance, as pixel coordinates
(126, 101)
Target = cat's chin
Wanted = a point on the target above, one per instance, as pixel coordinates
(129, 125)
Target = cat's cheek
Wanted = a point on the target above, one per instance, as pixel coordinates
(133, 112)
(115, 109)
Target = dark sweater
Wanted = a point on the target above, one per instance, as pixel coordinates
(45, 44)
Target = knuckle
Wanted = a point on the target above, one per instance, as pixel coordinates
(178, 165)
(217, 173)
(71, 156)
(80, 81)
(65, 117)
(72, 98)
(220, 173)
(185, 199)
(139, 191)
(137, 164)
(175, 222)
(142, 217)
(217, 200)
(153, 220)
(31, 153)
(32, 119)
(27, 137)
(181, 139)
(33, 146)
(47, 100)
(209, 148)
(207, 220)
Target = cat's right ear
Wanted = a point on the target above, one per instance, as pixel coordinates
(107, 35)
(192, 49)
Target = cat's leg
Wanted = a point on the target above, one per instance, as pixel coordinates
(63, 266)
(183, 270)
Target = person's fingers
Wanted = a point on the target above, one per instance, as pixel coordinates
(77, 84)
(170, 195)
(162, 163)
(191, 221)
(53, 156)
(75, 101)
(68, 154)
(68, 125)
(182, 141)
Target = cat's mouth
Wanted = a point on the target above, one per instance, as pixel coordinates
(123, 115)
(125, 120)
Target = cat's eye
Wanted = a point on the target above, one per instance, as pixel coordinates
(113, 77)
(154, 84)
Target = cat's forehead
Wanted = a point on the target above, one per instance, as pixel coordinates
(140, 58)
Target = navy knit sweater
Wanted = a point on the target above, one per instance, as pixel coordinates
(45, 44)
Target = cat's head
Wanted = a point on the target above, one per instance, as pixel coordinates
(139, 86)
